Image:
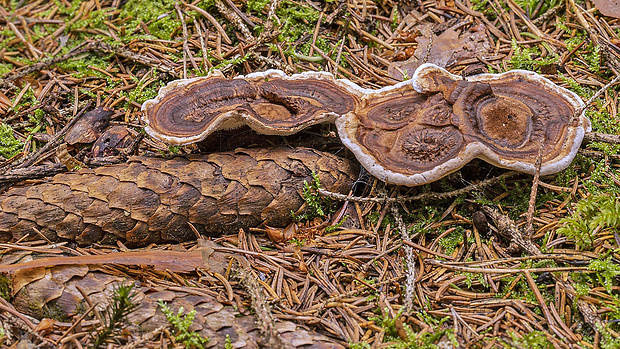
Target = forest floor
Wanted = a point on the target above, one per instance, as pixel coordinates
(436, 271)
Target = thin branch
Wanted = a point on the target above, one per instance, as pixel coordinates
(424, 196)
(449, 266)
(602, 137)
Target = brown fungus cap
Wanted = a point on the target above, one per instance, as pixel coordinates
(188, 110)
(505, 119)
(412, 133)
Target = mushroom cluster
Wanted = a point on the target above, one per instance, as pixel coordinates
(411, 133)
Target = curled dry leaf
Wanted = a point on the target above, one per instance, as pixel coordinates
(72, 164)
(280, 235)
(446, 49)
(275, 234)
(45, 326)
(153, 199)
(411, 133)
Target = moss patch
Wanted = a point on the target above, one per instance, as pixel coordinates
(159, 16)
(9, 145)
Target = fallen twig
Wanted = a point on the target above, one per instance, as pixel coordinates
(424, 196)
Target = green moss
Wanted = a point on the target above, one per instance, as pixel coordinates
(7, 35)
(519, 193)
(321, 43)
(594, 58)
(373, 217)
(35, 308)
(561, 25)
(387, 323)
(395, 20)
(296, 19)
(141, 93)
(41, 31)
(28, 100)
(359, 345)
(529, 58)
(5, 68)
(231, 62)
(600, 179)
(418, 340)
(257, 5)
(94, 20)
(9, 145)
(54, 311)
(71, 10)
(80, 66)
(483, 6)
(614, 314)
(336, 226)
(609, 341)
(532, 340)
(81, 307)
(470, 278)
(37, 116)
(594, 213)
(530, 6)
(159, 16)
(174, 149)
(5, 287)
(565, 178)
(609, 271)
(603, 122)
(451, 241)
(582, 289)
(574, 86)
(88, 92)
(521, 291)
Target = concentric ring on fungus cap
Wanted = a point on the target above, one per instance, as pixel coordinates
(411, 133)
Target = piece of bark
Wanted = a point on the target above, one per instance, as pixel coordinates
(150, 200)
(33, 172)
(180, 262)
(112, 142)
(89, 126)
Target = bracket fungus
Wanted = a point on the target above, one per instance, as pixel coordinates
(411, 133)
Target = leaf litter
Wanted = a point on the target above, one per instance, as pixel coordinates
(475, 279)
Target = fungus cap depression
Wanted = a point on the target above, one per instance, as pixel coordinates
(411, 133)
